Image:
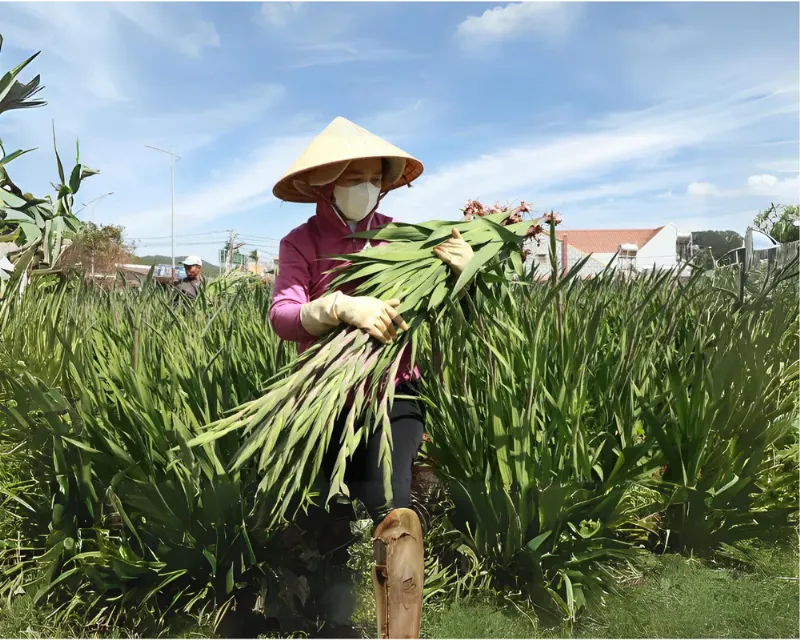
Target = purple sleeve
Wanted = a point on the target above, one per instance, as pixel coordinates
(290, 292)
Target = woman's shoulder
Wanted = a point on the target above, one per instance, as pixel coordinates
(381, 219)
(299, 235)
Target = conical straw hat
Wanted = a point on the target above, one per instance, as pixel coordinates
(328, 155)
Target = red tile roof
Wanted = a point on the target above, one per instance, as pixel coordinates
(606, 240)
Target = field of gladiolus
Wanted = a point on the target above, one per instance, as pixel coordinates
(575, 427)
(587, 437)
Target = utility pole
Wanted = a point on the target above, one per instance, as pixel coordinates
(747, 262)
(229, 255)
(172, 158)
(230, 248)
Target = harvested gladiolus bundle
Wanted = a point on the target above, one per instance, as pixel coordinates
(289, 428)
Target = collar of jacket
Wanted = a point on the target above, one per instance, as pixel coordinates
(331, 222)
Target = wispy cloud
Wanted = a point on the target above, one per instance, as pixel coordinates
(550, 20)
(787, 189)
(612, 129)
(82, 44)
(320, 35)
(186, 33)
(410, 119)
(334, 53)
(624, 154)
(90, 40)
(280, 14)
(193, 129)
(702, 190)
(242, 187)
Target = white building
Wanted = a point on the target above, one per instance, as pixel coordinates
(639, 249)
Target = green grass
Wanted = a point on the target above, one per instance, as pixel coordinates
(684, 598)
(24, 619)
(673, 597)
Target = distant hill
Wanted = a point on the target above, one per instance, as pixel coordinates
(209, 269)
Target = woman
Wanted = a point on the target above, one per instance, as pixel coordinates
(346, 171)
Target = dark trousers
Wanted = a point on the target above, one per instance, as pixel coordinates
(364, 475)
(364, 479)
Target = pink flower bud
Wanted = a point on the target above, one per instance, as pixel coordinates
(556, 217)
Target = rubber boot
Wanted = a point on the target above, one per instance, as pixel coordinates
(398, 574)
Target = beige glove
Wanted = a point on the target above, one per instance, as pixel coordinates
(318, 316)
(374, 316)
(454, 252)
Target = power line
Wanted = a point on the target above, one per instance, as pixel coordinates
(247, 235)
(250, 239)
(260, 244)
(183, 235)
(180, 244)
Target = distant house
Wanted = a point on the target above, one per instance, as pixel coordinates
(639, 249)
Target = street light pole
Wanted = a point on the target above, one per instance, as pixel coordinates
(172, 158)
(92, 203)
(97, 199)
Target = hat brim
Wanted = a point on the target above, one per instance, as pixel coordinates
(327, 156)
(296, 188)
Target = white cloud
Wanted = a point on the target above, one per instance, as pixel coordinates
(625, 168)
(631, 153)
(787, 189)
(185, 33)
(702, 190)
(332, 53)
(240, 188)
(279, 14)
(247, 184)
(761, 181)
(194, 129)
(409, 119)
(81, 49)
(321, 34)
(551, 19)
(84, 45)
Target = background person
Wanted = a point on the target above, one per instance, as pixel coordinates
(190, 285)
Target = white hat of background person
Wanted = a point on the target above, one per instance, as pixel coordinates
(329, 154)
(190, 261)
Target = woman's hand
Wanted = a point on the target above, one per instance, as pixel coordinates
(376, 317)
(454, 252)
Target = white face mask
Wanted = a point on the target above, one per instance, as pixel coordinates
(358, 201)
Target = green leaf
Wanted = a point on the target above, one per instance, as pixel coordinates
(75, 178)
(8, 199)
(30, 231)
(536, 542)
(229, 580)
(479, 259)
(12, 215)
(13, 156)
(58, 159)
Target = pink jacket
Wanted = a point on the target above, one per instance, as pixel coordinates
(302, 264)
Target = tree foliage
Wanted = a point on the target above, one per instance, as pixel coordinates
(778, 221)
(104, 245)
(719, 242)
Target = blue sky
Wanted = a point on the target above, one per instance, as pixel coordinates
(617, 115)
